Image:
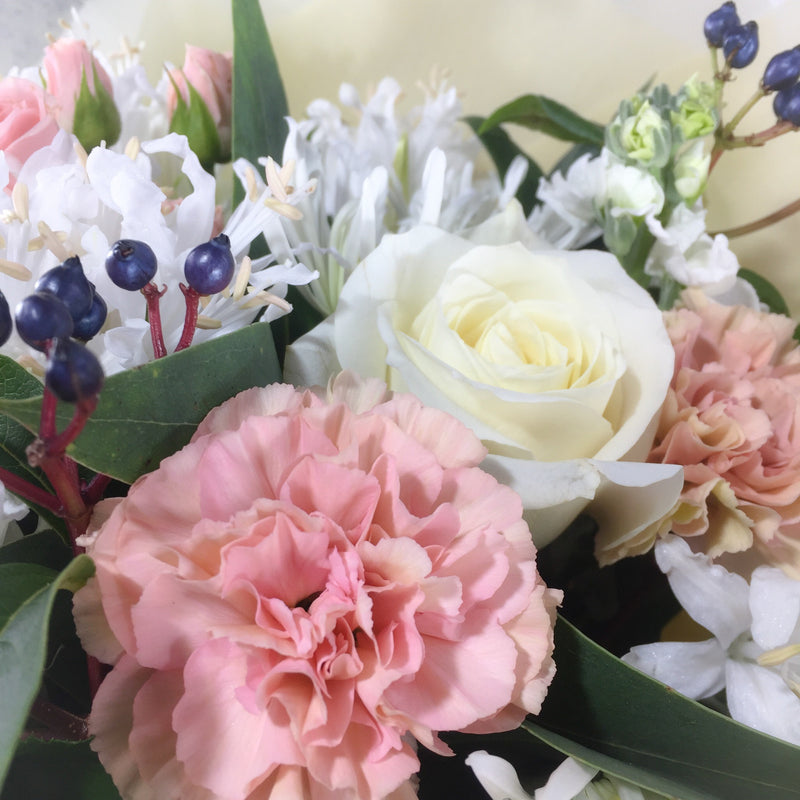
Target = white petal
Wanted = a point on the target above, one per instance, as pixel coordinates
(775, 606)
(696, 669)
(497, 776)
(311, 360)
(566, 781)
(711, 595)
(758, 697)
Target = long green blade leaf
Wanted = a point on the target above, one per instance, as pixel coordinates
(147, 413)
(259, 99)
(23, 645)
(608, 714)
(548, 116)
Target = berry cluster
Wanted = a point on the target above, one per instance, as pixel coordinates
(739, 43)
(208, 269)
(61, 315)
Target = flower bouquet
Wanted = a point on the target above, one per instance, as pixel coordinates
(355, 456)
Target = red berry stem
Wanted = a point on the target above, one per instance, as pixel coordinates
(56, 445)
(192, 298)
(153, 296)
(30, 492)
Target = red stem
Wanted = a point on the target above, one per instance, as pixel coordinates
(30, 492)
(59, 443)
(190, 320)
(153, 295)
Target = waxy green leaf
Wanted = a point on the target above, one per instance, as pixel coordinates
(150, 412)
(607, 714)
(23, 645)
(57, 770)
(259, 99)
(540, 113)
(767, 292)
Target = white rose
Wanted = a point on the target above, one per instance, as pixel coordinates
(556, 359)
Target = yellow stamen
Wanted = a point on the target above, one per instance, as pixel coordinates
(242, 278)
(284, 209)
(81, 153)
(252, 186)
(15, 270)
(207, 323)
(132, 148)
(771, 658)
(53, 242)
(19, 199)
(205, 300)
(263, 298)
(31, 364)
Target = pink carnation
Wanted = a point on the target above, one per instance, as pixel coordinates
(732, 419)
(300, 591)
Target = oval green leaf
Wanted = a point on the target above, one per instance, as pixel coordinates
(23, 645)
(148, 413)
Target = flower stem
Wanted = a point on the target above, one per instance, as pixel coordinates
(727, 131)
(764, 222)
(153, 296)
(29, 491)
(192, 299)
(60, 724)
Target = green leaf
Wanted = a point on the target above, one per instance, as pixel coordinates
(259, 99)
(23, 645)
(548, 116)
(503, 151)
(150, 412)
(573, 154)
(17, 583)
(46, 548)
(766, 291)
(603, 712)
(57, 770)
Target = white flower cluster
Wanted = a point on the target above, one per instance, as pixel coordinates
(382, 173)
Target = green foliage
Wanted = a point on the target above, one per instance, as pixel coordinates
(540, 113)
(609, 715)
(767, 292)
(259, 99)
(96, 116)
(194, 121)
(27, 602)
(150, 412)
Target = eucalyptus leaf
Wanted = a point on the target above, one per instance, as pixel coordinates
(57, 770)
(259, 99)
(503, 151)
(148, 413)
(23, 646)
(602, 711)
(540, 113)
(767, 292)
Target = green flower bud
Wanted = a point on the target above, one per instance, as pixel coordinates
(696, 115)
(691, 173)
(96, 116)
(643, 136)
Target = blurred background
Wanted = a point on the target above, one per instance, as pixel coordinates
(588, 54)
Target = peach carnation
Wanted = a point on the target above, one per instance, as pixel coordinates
(732, 419)
(303, 590)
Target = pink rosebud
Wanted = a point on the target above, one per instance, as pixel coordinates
(66, 61)
(211, 75)
(26, 121)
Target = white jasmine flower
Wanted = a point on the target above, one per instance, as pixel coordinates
(755, 644)
(571, 780)
(66, 203)
(382, 173)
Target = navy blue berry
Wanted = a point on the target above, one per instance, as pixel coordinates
(782, 71)
(41, 317)
(90, 323)
(6, 326)
(69, 284)
(210, 266)
(73, 372)
(719, 22)
(740, 45)
(131, 264)
(786, 104)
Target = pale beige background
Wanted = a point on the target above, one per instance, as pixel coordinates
(586, 53)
